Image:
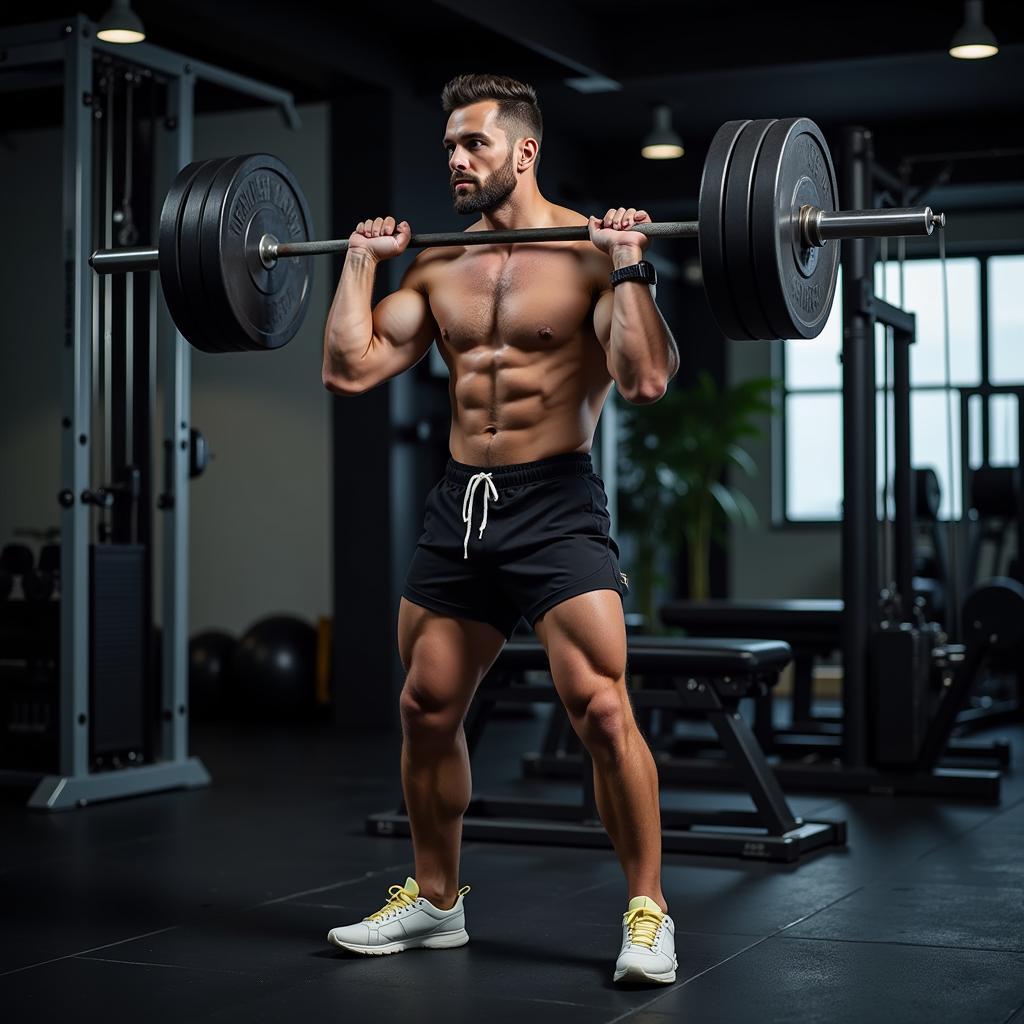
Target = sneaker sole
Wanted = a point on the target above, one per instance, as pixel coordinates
(637, 975)
(448, 940)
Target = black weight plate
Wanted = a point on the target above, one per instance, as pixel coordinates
(710, 228)
(168, 258)
(189, 235)
(797, 283)
(230, 336)
(739, 261)
(260, 197)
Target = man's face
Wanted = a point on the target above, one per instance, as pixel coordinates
(480, 161)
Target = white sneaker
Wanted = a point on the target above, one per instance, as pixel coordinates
(648, 944)
(406, 921)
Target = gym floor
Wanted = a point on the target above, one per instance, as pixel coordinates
(213, 905)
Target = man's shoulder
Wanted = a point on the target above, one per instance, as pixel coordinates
(426, 264)
(596, 261)
(570, 218)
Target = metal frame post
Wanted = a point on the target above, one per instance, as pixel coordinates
(903, 474)
(175, 357)
(859, 585)
(76, 401)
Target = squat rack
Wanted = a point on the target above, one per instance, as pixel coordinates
(71, 44)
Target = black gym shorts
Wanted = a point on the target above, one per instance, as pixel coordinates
(509, 541)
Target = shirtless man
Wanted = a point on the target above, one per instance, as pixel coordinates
(534, 336)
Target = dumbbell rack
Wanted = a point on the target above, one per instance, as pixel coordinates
(72, 44)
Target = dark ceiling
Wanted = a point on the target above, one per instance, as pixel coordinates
(881, 64)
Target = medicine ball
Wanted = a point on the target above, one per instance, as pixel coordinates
(209, 674)
(274, 667)
(17, 559)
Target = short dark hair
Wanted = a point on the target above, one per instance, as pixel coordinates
(518, 112)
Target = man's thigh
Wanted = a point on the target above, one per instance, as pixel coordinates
(585, 639)
(445, 658)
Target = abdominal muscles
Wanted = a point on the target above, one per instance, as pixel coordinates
(511, 403)
(528, 377)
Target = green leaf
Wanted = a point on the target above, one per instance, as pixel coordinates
(742, 459)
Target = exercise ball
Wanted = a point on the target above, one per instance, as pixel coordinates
(209, 673)
(274, 667)
(17, 559)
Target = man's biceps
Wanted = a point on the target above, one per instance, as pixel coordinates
(403, 318)
(603, 318)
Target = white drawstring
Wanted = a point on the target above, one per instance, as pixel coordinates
(490, 492)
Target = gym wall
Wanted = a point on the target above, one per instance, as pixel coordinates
(260, 527)
(32, 301)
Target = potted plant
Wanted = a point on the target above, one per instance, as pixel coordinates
(672, 460)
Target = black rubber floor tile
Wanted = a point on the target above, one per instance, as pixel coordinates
(516, 879)
(336, 998)
(744, 899)
(105, 896)
(714, 895)
(1009, 820)
(930, 914)
(544, 961)
(39, 927)
(884, 833)
(91, 990)
(585, 957)
(283, 941)
(782, 980)
(243, 820)
(983, 857)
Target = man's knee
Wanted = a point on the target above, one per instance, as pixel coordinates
(606, 721)
(424, 712)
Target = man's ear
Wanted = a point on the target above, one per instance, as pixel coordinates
(528, 148)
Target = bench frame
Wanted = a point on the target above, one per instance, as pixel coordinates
(770, 832)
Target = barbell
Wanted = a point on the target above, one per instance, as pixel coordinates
(234, 240)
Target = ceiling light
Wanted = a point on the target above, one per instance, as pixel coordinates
(974, 39)
(120, 25)
(662, 143)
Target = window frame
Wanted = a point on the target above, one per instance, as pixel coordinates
(780, 518)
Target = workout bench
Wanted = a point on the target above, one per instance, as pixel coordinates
(704, 677)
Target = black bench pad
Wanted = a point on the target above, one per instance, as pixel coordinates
(672, 655)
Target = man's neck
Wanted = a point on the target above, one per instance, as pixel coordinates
(530, 210)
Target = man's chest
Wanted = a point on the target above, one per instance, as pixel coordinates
(528, 298)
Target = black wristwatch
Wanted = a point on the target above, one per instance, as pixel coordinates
(642, 271)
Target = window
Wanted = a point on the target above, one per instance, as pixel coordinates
(1006, 319)
(812, 420)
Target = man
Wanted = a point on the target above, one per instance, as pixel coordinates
(534, 336)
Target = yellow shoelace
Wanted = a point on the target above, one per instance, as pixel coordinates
(398, 897)
(642, 926)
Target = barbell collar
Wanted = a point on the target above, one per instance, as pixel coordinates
(820, 226)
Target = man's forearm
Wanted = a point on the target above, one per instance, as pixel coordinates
(642, 352)
(349, 329)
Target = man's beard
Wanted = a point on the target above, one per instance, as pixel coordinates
(489, 196)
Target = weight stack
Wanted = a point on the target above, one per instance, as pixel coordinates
(899, 661)
(119, 627)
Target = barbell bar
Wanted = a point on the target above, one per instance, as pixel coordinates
(234, 240)
(816, 228)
